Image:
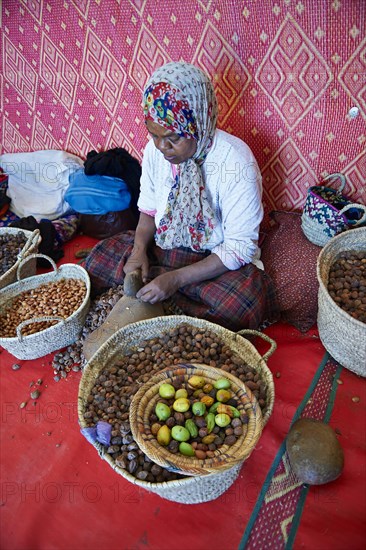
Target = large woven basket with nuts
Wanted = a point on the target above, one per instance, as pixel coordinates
(225, 456)
(45, 312)
(342, 332)
(8, 237)
(130, 357)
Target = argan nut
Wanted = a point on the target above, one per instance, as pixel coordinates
(155, 428)
(201, 455)
(207, 400)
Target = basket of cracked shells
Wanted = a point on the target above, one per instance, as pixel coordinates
(341, 271)
(15, 245)
(129, 359)
(43, 313)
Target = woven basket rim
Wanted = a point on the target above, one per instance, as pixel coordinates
(13, 230)
(325, 253)
(339, 211)
(329, 204)
(149, 485)
(36, 281)
(226, 456)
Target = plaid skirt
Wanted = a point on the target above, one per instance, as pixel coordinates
(239, 299)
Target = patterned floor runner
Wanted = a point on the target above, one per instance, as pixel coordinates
(277, 513)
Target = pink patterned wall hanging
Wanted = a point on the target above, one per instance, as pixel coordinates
(286, 74)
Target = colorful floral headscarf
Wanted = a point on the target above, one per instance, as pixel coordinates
(181, 98)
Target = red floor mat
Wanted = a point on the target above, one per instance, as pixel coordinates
(56, 493)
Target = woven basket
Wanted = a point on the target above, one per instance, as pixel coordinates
(321, 220)
(193, 489)
(30, 247)
(342, 336)
(57, 336)
(145, 400)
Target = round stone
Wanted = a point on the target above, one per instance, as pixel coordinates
(314, 451)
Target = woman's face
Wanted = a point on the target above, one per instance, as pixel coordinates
(175, 149)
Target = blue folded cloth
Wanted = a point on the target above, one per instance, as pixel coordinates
(96, 194)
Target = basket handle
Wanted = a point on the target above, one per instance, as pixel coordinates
(264, 337)
(32, 239)
(25, 260)
(355, 205)
(35, 320)
(335, 176)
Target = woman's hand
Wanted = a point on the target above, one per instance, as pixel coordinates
(144, 235)
(166, 284)
(160, 288)
(138, 260)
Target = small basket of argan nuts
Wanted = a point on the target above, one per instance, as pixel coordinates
(44, 313)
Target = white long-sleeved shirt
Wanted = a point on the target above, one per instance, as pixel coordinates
(233, 185)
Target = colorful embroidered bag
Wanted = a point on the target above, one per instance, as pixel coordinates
(327, 212)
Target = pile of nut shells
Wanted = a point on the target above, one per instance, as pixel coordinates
(197, 417)
(347, 283)
(10, 246)
(73, 358)
(117, 383)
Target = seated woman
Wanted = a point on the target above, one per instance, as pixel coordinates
(200, 200)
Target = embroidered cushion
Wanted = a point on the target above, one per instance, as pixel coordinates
(290, 260)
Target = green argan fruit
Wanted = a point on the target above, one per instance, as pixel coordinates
(196, 381)
(166, 391)
(222, 384)
(180, 433)
(222, 420)
(181, 405)
(181, 393)
(186, 449)
(164, 436)
(162, 411)
(198, 408)
(223, 396)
